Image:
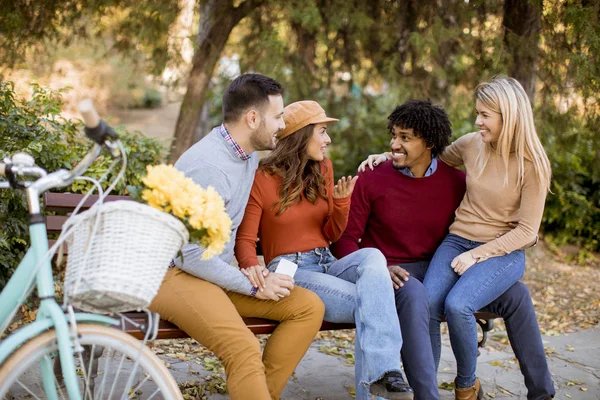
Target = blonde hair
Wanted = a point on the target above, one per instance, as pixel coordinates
(507, 97)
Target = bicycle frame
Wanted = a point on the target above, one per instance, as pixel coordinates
(50, 314)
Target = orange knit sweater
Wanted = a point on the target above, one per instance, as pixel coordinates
(302, 227)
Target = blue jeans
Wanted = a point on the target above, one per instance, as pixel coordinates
(413, 313)
(459, 296)
(358, 289)
(516, 308)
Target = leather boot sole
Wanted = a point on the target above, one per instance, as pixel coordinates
(380, 391)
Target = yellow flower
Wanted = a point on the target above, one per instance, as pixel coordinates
(182, 204)
(169, 190)
(156, 199)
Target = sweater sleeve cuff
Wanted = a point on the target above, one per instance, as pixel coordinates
(486, 251)
(248, 262)
(343, 202)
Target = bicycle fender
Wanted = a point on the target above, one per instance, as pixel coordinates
(21, 336)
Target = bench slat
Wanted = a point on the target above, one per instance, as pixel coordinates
(54, 223)
(66, 202)
(167, 330)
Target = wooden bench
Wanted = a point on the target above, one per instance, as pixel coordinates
(62, 204)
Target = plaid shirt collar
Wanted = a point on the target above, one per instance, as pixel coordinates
(236, 147)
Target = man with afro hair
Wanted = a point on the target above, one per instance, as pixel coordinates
(404, 208)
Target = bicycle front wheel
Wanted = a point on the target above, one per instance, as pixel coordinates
(113, 365)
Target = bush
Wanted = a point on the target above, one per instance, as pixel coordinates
(572, 214)
(36, 127)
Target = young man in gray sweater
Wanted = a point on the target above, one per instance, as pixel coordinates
(208, 298)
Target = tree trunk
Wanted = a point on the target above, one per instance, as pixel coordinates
(408, 15)
(180, 46)
(307, 45)
(217, 20)
(522, 21)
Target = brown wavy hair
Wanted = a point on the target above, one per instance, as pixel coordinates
(300, 175)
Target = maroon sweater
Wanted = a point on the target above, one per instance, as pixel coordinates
(406, 218)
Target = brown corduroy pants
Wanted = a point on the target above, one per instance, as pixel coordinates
(213, 317)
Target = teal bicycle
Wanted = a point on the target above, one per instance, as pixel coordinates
(66, 354)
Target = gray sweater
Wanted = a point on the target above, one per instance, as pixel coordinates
(213, 162)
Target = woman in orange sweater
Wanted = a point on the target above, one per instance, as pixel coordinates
(296, 211)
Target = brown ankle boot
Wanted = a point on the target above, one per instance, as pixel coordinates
(472, 393)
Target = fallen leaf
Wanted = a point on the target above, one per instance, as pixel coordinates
(570, 348)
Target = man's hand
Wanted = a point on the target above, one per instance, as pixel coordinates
(344, 187)
(399, 275)
(277, 286)
(256, 274)
(463, 262)
(372, 161)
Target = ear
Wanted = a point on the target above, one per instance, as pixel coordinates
(252, 118)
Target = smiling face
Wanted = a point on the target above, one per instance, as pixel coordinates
(271, 122)
(409, 151)
(489, 123)
(318, 142)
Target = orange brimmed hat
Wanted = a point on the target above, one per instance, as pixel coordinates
(300, 114)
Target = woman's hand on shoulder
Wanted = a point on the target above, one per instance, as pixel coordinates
(344, 187)
(372, 161)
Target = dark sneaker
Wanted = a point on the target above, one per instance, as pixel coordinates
(392, 386)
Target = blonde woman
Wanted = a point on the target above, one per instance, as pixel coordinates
(508, 177)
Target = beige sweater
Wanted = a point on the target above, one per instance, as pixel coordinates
(489, 205)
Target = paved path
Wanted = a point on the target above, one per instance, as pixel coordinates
(574, 361)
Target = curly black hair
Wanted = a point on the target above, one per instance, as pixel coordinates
(427, 121)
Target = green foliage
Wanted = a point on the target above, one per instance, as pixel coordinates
(572, 213)
(130, 27)
(152, 98)
(362, 130)
(36, 127)
(398, 52)
(359, 59)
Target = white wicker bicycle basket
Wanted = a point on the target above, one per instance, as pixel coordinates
(121, 266)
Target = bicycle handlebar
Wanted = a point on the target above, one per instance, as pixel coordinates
(95, 128)
(89, 113)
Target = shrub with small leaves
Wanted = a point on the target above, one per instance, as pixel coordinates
(36, 127)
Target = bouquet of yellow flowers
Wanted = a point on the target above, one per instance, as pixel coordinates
(201, 210)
